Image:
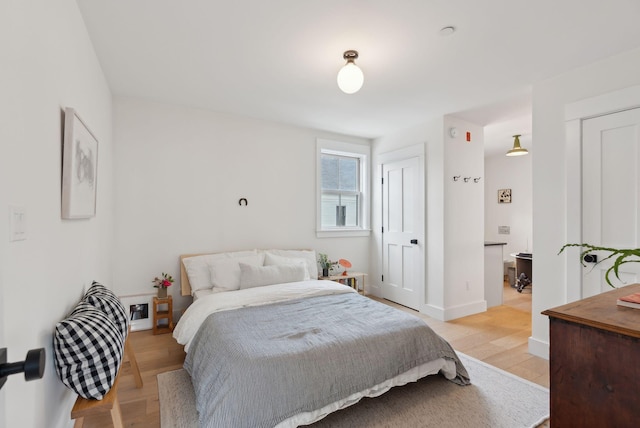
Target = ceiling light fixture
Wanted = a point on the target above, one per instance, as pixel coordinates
(517, 150)
(350, 77)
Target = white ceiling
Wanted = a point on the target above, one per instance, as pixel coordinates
(278, 59)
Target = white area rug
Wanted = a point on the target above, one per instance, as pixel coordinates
(495, 399)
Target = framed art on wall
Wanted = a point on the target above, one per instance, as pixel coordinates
(79, 168)
(504, 196)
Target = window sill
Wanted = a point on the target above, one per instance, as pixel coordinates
(344, 233)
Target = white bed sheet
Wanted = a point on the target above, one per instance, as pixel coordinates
(447, 367)
(201, 293)
(206, 303)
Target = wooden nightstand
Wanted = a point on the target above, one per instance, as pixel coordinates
(350, 279)
(162, 310)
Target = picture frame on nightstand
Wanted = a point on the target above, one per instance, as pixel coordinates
(136, 305)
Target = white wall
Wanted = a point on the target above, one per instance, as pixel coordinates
(503, 172)
(549, 175)
(454, 215)
(464, 220)
(47, 63)
(181, 172)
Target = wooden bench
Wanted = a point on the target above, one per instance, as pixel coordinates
(109, 403)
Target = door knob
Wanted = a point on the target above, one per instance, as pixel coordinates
(414, 241)
(32, 366)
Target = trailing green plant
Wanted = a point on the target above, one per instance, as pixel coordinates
(621, 257)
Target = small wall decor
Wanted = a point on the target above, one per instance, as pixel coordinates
(79, 168)
(504, 196)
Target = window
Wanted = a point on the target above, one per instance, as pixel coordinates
(343, 197)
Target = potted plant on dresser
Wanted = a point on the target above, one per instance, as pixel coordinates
(620, 256)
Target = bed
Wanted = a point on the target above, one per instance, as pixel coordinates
(269, 345)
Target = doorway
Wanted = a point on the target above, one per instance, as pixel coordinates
(610, 165)
(608, 106)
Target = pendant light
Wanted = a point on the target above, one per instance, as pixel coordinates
(517, 150)
(350, 77)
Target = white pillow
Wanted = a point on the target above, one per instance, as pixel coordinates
(274, 260)
(225, 273)
(308, 255)
(258, 276)
(198, 268)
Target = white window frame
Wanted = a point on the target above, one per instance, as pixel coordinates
(363, 152)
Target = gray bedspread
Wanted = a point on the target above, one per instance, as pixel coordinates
(257, 366)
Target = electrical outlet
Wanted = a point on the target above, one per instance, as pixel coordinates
(17, 222)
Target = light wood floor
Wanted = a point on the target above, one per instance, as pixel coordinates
(498, 337)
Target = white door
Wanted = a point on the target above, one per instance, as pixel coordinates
(403, 226)
(610, 194)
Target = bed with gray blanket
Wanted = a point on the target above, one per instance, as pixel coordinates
(289, 354)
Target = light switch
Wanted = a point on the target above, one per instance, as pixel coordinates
(18, 223)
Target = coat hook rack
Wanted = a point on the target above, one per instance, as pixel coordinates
(466, 179)
(456, 177)
(475, 180)
(32, 366)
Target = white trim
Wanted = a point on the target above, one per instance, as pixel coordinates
(573, 165)
(575, 114)
(342, 148)
(400, 154)
(538, 348)
(342, 233)
(454, 312)
(611, 102)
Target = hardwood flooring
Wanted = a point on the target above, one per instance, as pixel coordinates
(498, 337)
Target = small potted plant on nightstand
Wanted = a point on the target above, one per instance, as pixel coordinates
(325, 264)
(162, 283)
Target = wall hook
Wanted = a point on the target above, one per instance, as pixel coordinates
(240, 202)
(475, 180)
(466, 179)
(32, 366)
(456, 177)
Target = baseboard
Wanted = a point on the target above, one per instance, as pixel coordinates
(433, 311)
(539, 348)
(454, 312)
(460, 311)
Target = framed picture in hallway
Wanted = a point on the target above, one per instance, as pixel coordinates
(504, 196)
(79, 168)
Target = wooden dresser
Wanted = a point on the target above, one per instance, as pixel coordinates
(594, 362)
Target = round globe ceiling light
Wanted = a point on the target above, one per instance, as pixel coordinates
(350, 77)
